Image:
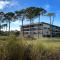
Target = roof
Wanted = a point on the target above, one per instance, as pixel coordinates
(41, 24)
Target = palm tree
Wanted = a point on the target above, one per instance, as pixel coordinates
(20, 15)
(51, 21)
(32, 13)
(9, 17)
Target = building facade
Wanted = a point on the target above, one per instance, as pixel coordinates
(40, 29)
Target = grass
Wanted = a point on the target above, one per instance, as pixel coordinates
(12, 48)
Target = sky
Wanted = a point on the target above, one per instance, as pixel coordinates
(14, 5)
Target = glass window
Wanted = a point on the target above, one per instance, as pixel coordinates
(45, 27)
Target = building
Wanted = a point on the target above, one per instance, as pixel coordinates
(40, 29)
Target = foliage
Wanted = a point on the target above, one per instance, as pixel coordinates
(33, 12)
(17, 33)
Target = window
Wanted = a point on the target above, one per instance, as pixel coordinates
(45, 28)
(35, 33)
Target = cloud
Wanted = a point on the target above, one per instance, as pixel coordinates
(47, 7)
(4, 4)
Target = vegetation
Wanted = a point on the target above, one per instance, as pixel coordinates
(21, 16)
(9, 17)
(51, 15)
(29, 13)
(12, 48)
(32, 13)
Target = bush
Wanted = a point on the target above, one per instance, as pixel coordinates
(17, 33)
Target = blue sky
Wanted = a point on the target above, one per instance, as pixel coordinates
(49, 5)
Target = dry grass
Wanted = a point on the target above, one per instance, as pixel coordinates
(39, 49)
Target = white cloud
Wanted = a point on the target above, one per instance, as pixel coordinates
(4, 4)
(14, 3)
(47, 7)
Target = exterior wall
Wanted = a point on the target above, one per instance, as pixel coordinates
(34, 30)
(44, 29)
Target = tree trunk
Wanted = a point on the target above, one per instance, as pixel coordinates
(38, 27)
(30, 27)
(50, 28)
(31, 31)
(0, 27)
(23, 27)
(33, 28)
(6, 28)
(52, 24)
(9, 27)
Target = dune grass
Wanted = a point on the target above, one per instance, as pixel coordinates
(12, 48)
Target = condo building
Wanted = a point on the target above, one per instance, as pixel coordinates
(40, 29)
